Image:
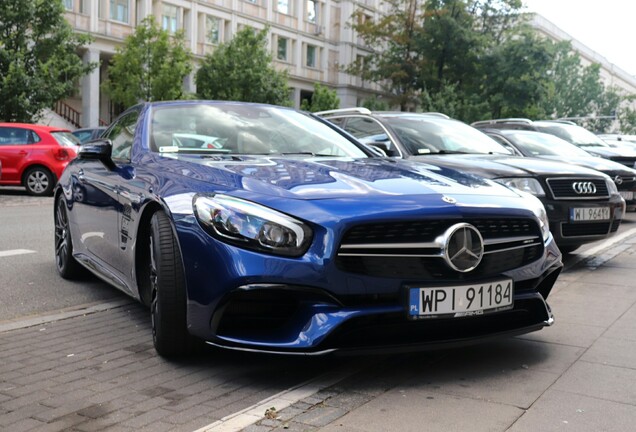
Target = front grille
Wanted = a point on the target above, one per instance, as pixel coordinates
(585, 229)
(562, 188)
(627, 183)
(629, 161)
(387, 250)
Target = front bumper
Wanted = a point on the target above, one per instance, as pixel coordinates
(570, 233)
(289, 317)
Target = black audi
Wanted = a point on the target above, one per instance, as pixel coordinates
(583, 205)
(547, 146)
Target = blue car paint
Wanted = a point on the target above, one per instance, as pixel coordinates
(342, 193)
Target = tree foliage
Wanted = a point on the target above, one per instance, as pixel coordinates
(39, 62)
(395, 62)
(476, 59)
(323, 99)
(150, 66)
(573, 88)
(242, 70)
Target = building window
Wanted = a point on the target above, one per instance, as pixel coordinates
(169, 18)
(311, 56)
(119, 10)
(312, 11)
(83, 7)
(282, 6)
(68, 5)
(281, 52)
(213, 26)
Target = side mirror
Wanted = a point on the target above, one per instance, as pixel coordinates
(99, 149)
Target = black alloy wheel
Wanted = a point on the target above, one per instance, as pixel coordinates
(167, 290)
(67, 265)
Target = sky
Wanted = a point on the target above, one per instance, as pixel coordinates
(606, 26)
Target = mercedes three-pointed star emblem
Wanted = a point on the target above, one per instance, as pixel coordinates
(463, 247)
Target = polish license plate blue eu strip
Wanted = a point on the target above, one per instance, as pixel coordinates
(462, 300)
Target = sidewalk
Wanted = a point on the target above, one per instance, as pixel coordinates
(96, 370)
(578, 375)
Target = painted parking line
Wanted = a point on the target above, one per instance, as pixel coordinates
(250, 415)
(601, 247)
(14, 252)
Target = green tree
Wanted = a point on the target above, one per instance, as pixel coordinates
(323, 99)
(394, 63)
(517, 77)
(573, 88)
(39, 64)
(242, 70)
(150, 66)
(374, 103)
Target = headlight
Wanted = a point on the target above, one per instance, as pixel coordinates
(539, 211)
(524, 184)
(611, 186)
(251, 226)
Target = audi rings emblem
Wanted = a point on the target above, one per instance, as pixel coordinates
(618, 180)
(584, 188)
(463, 247)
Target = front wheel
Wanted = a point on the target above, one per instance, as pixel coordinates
(67, 265)
(167, 288)
(39, 181)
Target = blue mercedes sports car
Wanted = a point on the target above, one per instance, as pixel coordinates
(258, 227)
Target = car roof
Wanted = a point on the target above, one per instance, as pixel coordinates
(36, 127)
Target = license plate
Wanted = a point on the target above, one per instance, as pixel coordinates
(627, 195)
(461, 300)
(589, 214)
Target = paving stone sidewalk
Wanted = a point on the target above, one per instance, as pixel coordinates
(577, 375)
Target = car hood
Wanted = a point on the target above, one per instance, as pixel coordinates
(608, 152)
(329, 178)
(498, 166)
(597, 163)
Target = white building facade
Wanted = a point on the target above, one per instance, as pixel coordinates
(311, 39)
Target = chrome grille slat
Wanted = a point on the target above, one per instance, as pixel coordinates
(561, 188)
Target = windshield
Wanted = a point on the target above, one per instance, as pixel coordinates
(66, 139)
(232, 128)
(541, 144)
(425, 135)
(572, 134)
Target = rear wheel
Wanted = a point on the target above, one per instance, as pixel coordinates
(67, 265)
(167, 290)
(39, 181)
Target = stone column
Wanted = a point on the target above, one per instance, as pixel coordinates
(90, 91)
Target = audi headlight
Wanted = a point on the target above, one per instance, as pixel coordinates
(611, 186)
(251, 226)
(539, 211)
(524, 184)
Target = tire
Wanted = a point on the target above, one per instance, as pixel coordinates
(167, 291)
(67, 266)
(39, 181)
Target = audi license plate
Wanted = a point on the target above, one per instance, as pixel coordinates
(461, 300)
(589, 214)
(627, 195)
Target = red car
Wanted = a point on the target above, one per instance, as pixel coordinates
(34, 156)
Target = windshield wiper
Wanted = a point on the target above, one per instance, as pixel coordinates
(303, 154)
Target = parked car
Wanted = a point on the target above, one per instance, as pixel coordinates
(583, 205)
(569, 132)
(34, 156)
(88, 134)
(291, 238)
(542, 145)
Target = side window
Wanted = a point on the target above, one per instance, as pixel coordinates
(17, 136)
(121, 134)
(362, 127)
(338, 121)
(504, 142)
